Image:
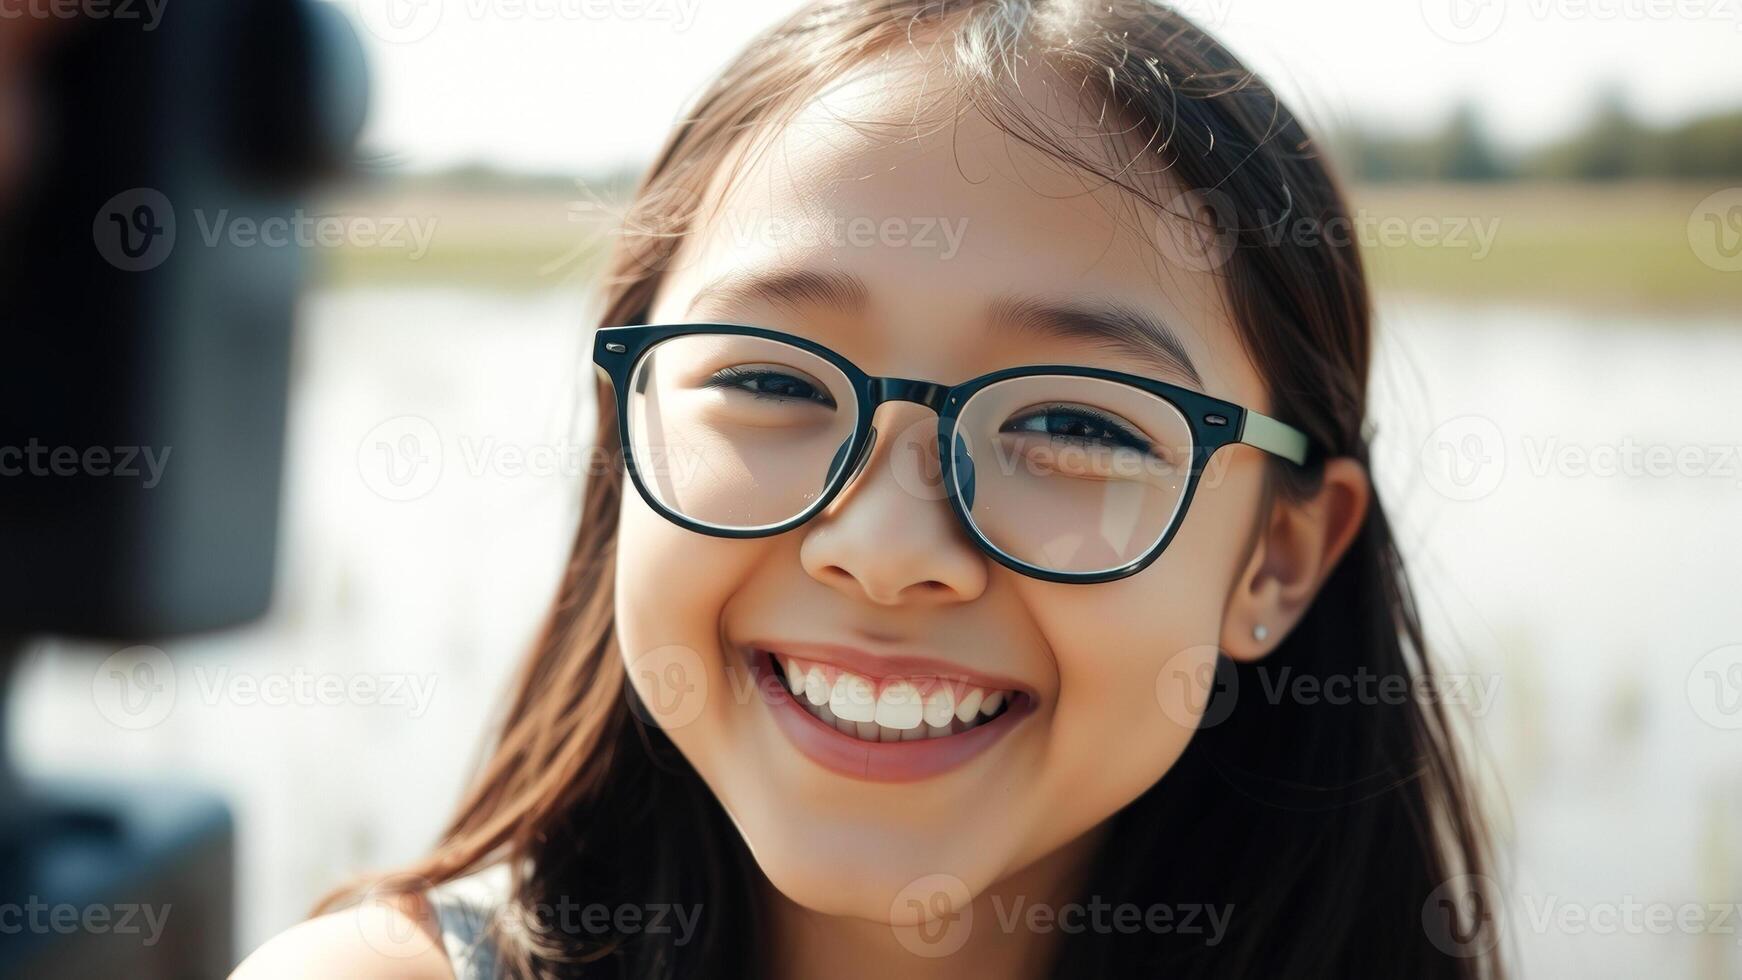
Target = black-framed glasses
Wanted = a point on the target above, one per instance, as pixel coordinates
(1062, 472)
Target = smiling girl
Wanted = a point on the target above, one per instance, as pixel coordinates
(967, 614)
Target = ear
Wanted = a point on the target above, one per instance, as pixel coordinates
(1298, 545)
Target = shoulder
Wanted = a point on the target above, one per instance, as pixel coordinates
(439, 934)
(396, 940)
(463, 911)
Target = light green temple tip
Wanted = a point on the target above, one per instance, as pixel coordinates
(1275, 437)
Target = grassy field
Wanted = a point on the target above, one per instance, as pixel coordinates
(493, 239)
(1602, 246)
(1599, 246)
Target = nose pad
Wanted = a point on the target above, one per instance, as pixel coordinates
(864, 456)
(963, 464)
(835, 464)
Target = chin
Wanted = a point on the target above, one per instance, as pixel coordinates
(865, 883)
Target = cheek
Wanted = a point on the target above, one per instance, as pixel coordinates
(1136, 656)
(671, 579)
(671, 585)
(653, 552)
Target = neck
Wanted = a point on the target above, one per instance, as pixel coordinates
(994, 940)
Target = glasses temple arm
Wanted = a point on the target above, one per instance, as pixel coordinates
(1276, 438)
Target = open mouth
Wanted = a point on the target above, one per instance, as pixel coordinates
(888, 709)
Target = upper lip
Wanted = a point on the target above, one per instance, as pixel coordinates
(891, 664)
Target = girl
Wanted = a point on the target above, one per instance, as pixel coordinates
(990, 534)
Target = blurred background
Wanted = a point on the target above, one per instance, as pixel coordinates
(1549, 193)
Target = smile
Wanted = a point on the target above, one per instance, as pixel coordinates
(884, 728)
(891, 710)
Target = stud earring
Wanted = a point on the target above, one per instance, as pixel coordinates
(1260, 632)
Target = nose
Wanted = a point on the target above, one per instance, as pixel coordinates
(890, 536)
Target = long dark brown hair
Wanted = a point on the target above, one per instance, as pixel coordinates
(1328, 828)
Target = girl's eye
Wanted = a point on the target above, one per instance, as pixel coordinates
(770, 383)
(1080, 424)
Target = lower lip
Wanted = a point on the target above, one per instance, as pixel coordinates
(882, 762)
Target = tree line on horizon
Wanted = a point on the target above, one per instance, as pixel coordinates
(1613, 145)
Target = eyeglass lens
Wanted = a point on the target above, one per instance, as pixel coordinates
(1064, 473)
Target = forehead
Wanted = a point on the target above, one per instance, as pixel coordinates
(941, 213)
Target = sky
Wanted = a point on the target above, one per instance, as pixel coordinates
(580, 86)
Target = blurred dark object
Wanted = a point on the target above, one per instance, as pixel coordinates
(138, 330)
(129, 881)
(142, 407)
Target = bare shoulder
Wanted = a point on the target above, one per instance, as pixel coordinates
(396, 940)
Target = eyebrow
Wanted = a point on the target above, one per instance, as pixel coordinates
(790, 288)
(1112, 326)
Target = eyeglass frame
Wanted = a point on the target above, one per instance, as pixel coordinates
(1215, 423)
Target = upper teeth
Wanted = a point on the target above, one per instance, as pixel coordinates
(922, 706)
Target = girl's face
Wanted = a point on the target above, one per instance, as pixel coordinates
(914, 235)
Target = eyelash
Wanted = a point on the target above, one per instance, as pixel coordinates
(740, 379)
(1121, 433)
